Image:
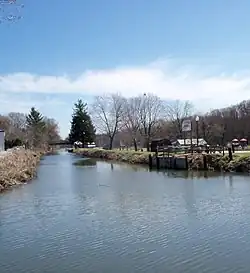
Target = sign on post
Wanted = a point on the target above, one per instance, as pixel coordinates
(186, 125)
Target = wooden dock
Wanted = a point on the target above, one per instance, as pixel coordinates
(173, 158)
(168, 162)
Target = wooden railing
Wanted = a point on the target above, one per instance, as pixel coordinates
(169, 150)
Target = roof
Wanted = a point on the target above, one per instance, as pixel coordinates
(78, 142)
(201, 141)
(160, 139)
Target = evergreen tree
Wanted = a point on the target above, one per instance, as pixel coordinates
(36, 126)
(82, 128)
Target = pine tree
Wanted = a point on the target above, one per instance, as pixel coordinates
(36, 126)
(82, 128)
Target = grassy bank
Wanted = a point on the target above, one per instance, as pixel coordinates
(129, 156)
(17, 167)
(216, 162)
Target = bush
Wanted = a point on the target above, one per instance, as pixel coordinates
(17, 167)
(12, 143)
(215, 162)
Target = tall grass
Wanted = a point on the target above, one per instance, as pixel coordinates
(117, 155)
(17, 167)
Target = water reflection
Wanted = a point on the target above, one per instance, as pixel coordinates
(189, 174)
(230, 177)
(114, 166)
(118, 217)
(190, 200)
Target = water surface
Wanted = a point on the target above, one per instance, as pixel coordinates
(119, 218)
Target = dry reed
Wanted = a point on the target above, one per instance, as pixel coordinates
(17, 167)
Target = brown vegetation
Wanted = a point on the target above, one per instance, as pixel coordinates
(136, 118)
(17, 167)
(136, 121)
(122, 156)
(19, 131)
(215, 162)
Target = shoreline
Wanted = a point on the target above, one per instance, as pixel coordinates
(131, 157)
(17, 167)
(215, 162)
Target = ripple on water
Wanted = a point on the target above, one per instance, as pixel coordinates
(141, 222)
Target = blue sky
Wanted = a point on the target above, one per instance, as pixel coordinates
(64, 50)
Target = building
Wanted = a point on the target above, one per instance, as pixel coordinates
(2, 140)
(159, 142)
(188, 142)
(90, 145)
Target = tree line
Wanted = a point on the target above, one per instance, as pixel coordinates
(32, 130)
(137, 120)
(133, 121)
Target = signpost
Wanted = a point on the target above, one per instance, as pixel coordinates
(186, 127)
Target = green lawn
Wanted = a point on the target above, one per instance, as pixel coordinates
(245, 154)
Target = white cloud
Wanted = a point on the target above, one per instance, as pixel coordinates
(164, 78)
(22, 103)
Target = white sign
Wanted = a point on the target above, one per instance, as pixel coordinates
(186, 125)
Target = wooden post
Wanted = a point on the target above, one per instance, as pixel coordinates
(186, 160)
(230, 154)
(157, 162)
(171, 162)
(150, 161)
(191, 138)
(233, 148)
(174, 167)
(207, 149)
(205, 162)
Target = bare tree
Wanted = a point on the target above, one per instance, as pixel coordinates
(107, 112)
(4, 123)
(177, 112)
(131, 117)
(51, 130)
(151, 111)
(17, 125)
(19, 130)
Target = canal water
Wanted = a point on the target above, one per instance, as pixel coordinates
(119, 218)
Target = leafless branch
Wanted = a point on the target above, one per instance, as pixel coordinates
(107, 113)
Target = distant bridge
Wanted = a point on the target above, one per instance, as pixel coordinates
(61, 143)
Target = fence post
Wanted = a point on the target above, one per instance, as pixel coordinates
(157, 162)
(186, 160)
(205, 162)
(150, 161)
(230, 154)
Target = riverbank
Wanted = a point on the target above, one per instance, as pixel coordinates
(215, 162)
(18, 167)
(130, 157)
(218, 162)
